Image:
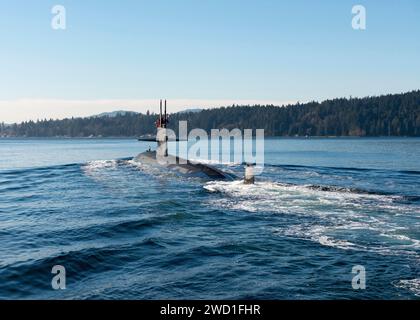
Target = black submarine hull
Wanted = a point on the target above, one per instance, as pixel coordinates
(185, 167)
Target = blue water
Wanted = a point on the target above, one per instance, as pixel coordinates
(125, 231)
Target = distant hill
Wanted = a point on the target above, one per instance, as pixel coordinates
(387, 115)
(113, 114)
(193, 110)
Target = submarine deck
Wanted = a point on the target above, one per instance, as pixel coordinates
(185, 166)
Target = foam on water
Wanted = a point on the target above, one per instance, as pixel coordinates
(412, 285)
(334, 213)
(214, 162)
(99, 164)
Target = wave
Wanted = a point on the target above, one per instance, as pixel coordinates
(331, 235)
(357, 169)
(274, 196)
(392, 197)
(46, 169)
(412, 285)
(56, 168)
(100, 164)
(81, 238)
(338, 217)
(78, 261)
(410, 171)
(294, 166)
(225, 187)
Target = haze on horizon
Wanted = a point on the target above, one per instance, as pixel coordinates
(129, 54)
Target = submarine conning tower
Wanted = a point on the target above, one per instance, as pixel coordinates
(161, 134)
(162, 121)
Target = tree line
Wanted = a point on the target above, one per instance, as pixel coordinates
(387, 115)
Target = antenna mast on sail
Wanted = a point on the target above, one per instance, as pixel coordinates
(160, 114)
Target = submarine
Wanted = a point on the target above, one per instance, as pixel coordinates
(175, 163)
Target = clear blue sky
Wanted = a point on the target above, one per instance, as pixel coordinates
(207, 49)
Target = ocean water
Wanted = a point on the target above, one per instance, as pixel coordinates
(124, 230)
